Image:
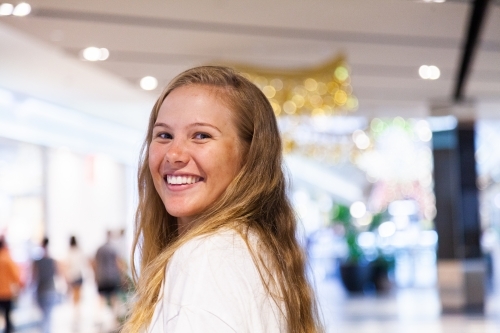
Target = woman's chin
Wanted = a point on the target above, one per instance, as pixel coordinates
(181, 215)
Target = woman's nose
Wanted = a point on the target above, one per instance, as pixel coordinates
(176, 152)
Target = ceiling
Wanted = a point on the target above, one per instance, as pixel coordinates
(384, 41)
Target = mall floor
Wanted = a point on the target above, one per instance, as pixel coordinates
(402, 310)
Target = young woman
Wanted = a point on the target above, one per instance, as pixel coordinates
(215, 228)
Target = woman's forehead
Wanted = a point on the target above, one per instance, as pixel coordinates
(194, 103)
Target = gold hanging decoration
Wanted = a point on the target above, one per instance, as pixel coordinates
(323, 90)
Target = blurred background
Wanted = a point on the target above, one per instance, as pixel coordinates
(390, 117)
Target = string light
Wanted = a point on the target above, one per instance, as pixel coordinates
(314, 92)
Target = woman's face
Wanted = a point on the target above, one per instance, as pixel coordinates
(194, 152)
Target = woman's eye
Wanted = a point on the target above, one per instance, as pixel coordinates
(164, 136)
(201, 136)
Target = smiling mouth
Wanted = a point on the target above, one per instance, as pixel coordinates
(182, 180)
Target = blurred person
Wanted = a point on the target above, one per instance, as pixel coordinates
(45, 271)
(74, 267)
(10, 284)
(216, 231)
(108, 272)
(120, 243)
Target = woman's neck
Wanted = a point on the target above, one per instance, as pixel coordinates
(184, 224)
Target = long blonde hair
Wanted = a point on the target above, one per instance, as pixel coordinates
(255, 201)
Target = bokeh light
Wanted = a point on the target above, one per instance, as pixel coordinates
(149, 83)
(22, 9)
(429, 72)
(387, 229)
(357, 209)
(95, 54)
(6, 9)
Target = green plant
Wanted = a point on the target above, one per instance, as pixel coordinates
(342, 216)
(357, 271)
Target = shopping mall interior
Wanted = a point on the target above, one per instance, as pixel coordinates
(389, 112)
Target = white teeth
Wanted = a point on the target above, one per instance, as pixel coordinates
(180, 180)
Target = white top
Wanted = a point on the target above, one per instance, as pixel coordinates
(212, 285)
(75, 264)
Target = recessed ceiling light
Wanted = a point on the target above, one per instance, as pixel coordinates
(104, 53)
(91, 53)
(435, 73)
(95, 54)
(429, 72)
(149, 83)
(22, 9)
(6, 9)
(423, 71)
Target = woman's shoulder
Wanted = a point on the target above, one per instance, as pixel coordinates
(213, 278)
(226, 244)
(219, 261)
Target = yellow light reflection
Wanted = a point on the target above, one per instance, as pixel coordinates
(318, 112)
(332, 87)
(269, 91)
(325, 87)
(352, 103)
(298, 100)
(328, 110)
(311, 84)
(300, 90)
(341, 73)
(347, 88)
(289, 107)
(277, 84)
(260, 81)
(340, 97)
(316, 100)
(321, 89)
(276, 107)
(329, 100)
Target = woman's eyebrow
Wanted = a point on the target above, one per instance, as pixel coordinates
(204, 124)
(161, 125)
(190, 125)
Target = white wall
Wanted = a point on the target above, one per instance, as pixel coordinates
(86, 196)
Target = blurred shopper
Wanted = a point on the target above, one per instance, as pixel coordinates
(120, 244)
(45, 272)
(10, 284)
(126, 285)
(74, 268)
(108, 273)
